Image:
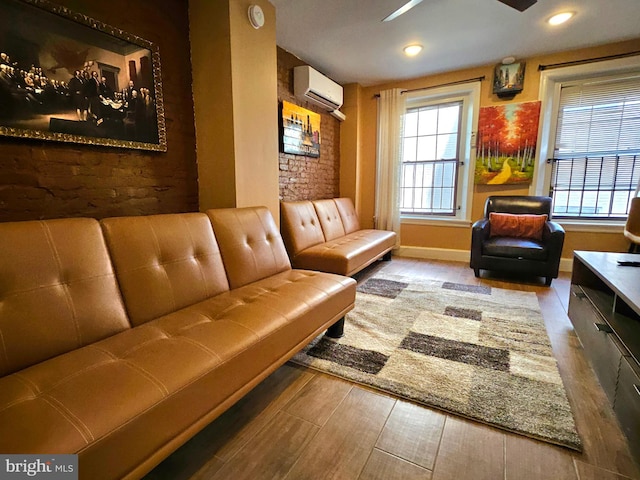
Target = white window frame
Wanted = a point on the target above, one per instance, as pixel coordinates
(550, 85)
(469, 94)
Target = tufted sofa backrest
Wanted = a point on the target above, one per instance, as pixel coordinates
(58, 291)
(350, 219)
(330, 219)
(300, 226)
(164, 262)
(250, 243)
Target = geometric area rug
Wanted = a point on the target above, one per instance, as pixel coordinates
(471, 350)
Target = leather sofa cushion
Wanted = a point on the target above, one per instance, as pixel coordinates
(58, 290)
(164, 380)
(301, 227)
(520, 226)
(348, 254)
(330, 219)
(512, 247)
(518, 204)
(250, 243)
(164, 262)
(350, 219)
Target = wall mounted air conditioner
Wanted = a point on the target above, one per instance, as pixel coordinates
(312, 86)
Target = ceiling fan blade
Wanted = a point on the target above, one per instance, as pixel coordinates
(403, 9)
(520, 5)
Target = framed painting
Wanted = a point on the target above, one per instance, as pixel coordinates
(67, 77)
(508, 79)
(300, 133)
(506, 143)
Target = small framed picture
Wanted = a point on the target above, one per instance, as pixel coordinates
(508, 79)
(300, 130)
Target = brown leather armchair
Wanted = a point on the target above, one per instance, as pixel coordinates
(526, 256)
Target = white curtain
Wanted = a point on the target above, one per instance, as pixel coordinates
(391, 109)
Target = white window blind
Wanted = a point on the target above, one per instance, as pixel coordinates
(430, 160)
(596, 164)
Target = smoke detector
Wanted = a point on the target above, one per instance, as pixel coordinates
(256, 16)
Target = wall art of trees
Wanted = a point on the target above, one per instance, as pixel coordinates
(506, 143)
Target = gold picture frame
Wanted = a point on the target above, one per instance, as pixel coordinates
(67, 77)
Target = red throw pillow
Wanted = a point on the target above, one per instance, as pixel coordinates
(521, 226)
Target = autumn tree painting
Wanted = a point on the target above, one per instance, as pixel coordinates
(506, 143)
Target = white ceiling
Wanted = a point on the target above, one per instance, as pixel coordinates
(346, 40)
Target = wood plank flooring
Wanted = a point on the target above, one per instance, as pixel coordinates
(303, 424)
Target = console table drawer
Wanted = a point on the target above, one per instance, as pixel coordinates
(600, 345)
(627, 403)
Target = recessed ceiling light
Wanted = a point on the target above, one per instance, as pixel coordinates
(560, 18)
(412, 50)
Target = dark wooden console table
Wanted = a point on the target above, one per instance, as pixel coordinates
(604, 308)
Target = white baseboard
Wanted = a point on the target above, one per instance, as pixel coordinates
(455, 255)
(434, 253)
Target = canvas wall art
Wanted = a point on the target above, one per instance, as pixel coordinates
(506, 143)
(300, 130)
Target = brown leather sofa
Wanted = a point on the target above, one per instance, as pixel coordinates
(325, 235)
(121, 339)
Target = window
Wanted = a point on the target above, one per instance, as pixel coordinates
(597, 149)
(593, 126)
(436, 145)
(430, 159)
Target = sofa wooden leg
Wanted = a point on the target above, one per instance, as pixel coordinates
(547, 281)
(387, 257)
(476, 271)
(336, 330)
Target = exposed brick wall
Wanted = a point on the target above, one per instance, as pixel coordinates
(301, 177)
(48, 179)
